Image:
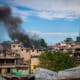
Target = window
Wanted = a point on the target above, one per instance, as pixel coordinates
(22, 49)
(13, 45)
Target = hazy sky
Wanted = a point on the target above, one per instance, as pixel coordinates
(53, 20)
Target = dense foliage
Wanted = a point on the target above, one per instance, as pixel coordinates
(42, 43)
(56, 61)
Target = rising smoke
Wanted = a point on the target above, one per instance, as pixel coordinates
(12, 25)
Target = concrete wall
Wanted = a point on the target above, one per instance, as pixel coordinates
(25, 53)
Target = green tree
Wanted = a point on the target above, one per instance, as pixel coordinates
(56, 61)
(43, 44)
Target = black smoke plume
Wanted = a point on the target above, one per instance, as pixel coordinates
(12, 24)
(5, 12)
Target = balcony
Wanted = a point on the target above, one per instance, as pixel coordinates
(12, 65)
(7, 65)
(6, 56)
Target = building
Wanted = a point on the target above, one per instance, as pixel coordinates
(18, 57)
(29, 56)
(23, 52)
(10, 61)
(72, 48)
(34, 59)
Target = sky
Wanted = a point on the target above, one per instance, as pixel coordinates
(53, 20)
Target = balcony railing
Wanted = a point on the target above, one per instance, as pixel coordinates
(12, 65)
(9, 57)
